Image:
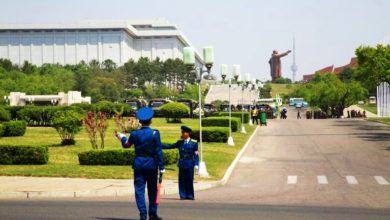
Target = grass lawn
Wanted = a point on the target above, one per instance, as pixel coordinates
(63, 161)
(282, 88)
(382, 120)
(370, 108)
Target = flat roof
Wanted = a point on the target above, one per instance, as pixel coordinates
(135, 28)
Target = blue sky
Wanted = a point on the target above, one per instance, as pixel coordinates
(242, 32)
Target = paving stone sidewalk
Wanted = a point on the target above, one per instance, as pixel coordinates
(46, 187)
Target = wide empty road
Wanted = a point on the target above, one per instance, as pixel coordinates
(334, 163)
(292, 169)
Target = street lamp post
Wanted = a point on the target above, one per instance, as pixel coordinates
(236, 73)
(244, 84)
(250, 101)
(189, 61)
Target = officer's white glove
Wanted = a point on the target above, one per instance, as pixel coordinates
(162, 171)
(196, 167)
(120, 135)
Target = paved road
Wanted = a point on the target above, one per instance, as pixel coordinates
(306, 162)
(293, 169)
(125, 210)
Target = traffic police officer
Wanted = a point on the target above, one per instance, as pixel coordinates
(189, 159)
(148, 159)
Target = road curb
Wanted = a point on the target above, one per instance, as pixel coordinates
(229, 171)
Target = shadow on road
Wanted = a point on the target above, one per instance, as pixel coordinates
(101, 218)
(371, 131)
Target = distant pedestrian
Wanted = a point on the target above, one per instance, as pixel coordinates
(298, 115)
(254, 116)
(348, 113)
(364, 114)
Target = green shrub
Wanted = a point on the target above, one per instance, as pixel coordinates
(85, 106)
(234, 114)
(174, 111)
(212, 134)
(67, 124)
(38, 115)
(119, 157)
(221, 122)
(106, 107)
(23, 155)
(4, 115)
(14, 128)
(14, 111)
(1, 130)
(123, 109)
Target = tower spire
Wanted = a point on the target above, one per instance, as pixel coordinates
(294, 67)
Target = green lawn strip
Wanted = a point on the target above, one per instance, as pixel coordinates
(381, 120)
(370, 108)
(63, 161)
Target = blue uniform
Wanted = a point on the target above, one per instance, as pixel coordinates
(188, 151)
(148, 159)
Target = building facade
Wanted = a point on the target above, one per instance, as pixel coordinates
(91, 40)
(69, 98)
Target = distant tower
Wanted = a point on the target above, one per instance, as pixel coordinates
(294, 67)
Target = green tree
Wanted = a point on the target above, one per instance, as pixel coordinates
(67, 124)
(109, 65)
(374, 65)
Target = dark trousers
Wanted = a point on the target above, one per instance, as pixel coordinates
(141, 178)
(254, 119)
(186, 183)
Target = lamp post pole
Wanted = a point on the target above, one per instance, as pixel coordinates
(243, 84)
(224, 70)
(189, 61)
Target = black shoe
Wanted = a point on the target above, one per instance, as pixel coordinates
(143, 217)
(154, 217)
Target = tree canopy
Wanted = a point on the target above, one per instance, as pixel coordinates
(101, 81)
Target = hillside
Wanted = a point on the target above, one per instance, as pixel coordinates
(282, 88)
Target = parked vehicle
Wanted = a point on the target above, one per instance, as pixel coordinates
(225, 108)
(156, 104)
(136, 103)
(191, 104)
(246, 107)
(209, 109)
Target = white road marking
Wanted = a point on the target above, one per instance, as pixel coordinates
(322, 180)
(381, 180)
(292, 179)
(351, 180)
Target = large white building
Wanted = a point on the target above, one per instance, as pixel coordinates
(91, 40)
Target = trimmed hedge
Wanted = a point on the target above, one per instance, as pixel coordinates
(111, 108)
(119, 157)
(235, 115)
(221, 122)
(23, 155)
(4, 114)
(174, 111)
(14, 111)
(1, 130)
(14, 128)
(212, 134)
(38, 115)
